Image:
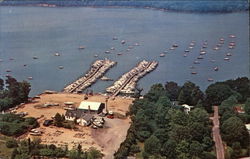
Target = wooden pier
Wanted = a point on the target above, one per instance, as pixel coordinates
(97, 70)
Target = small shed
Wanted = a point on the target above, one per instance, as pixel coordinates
(87, 106)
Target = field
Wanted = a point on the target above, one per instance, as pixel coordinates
(106, 139)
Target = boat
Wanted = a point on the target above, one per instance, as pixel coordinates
(104, 78)
(162, 55)
(172, 48)
(130, 47)
(11, 59)
(25, 65)
(232, 36)
(192, 67)
(186, 50)
(136, 44)
(112, 48)
(7, 75)
(202, 52)
(216, 48)
(232, 43)
(221, 42)
(115, 38)
(175, 45)
(128, 50)
(35, 57)
(226, 58)
(60, 67)
(210, 80)
(107, 52)
(56, 54)
(204, 46)
(196, 62)
(212, 60)
(95, 55)
(193, 73)
(185, 55)
(165, 51)
(119, 53)
(200, 57)
(30, 78)
(218, 45)
(222, 39)
(229, 54)
(230, 47)
(81, 47)
(123, 42)
(8, 70)
(190, 47)
(216, 68)
(192, 44)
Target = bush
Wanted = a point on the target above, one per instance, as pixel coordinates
(11, 143)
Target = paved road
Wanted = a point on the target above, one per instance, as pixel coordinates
(216, 135)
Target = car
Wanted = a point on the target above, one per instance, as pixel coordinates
(110, 116)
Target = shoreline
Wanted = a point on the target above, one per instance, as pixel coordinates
(202, 7)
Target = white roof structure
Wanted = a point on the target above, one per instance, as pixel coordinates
(91, 105)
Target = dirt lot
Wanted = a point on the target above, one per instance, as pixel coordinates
(106, 139)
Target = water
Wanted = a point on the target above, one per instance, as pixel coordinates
(33, 31)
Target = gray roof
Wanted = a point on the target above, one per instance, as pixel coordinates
(78, 113)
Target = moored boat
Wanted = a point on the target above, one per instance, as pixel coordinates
(226, 58)
(81, 47)
(162, 55)
(210, 80)
(216, 68)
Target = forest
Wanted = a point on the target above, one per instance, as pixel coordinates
(161, 129)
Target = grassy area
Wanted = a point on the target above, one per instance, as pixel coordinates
(5, 152)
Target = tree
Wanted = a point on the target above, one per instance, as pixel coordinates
(190, 94)
(152, 145)
(172, 90)
(93, 153)
(234, 130)
(247, 106)
(183, 149)
(169, 149)
(11, 143)
(216, 93)
(196, 149)
(1, 84)
(58, 120)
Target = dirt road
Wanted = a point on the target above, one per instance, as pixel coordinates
(216, 134)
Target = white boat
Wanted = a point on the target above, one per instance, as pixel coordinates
(216, 68)
(8, 70)
(123, 42)
(200, 57)
(196, 62)
(229, 54)
(210, 80)
(136, 44)
(119, 53)
(81, 47)
(216, 48)
(95, 55)
(186, 50)
(190, 47)
(185, 55)
(232, 36)
(175, 45)
(230, 47)
(115, 38)
(107, 52)
(56, 54)
(34, 57)
(172, 48)
(226, 58)
(202, 52)
(30, 78)
(193, 73)
(60, 67)
(162, 55)
(222, 39)
(112, 48)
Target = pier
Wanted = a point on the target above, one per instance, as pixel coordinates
(97, 70)
(127, 82)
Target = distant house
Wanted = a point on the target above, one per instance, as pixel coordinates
(80, 116)
(239, 109)
(95, 107)
(187, 108)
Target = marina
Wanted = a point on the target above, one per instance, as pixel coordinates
(127, 83)
(97, 70)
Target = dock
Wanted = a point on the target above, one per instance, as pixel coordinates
(97, 70)
(127, 82)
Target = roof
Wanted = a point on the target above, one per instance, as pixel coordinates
(75, 113)
(87, 117)
(93, 105)
(239, 109)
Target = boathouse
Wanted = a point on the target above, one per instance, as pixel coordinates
(82, 118)
(96, 107)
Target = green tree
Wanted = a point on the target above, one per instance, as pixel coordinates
(247, 106)
(234, 130)
(58, 120)
(152, 145)
(172, 90)
(93, 153)
(196, 149)
(183, 150)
